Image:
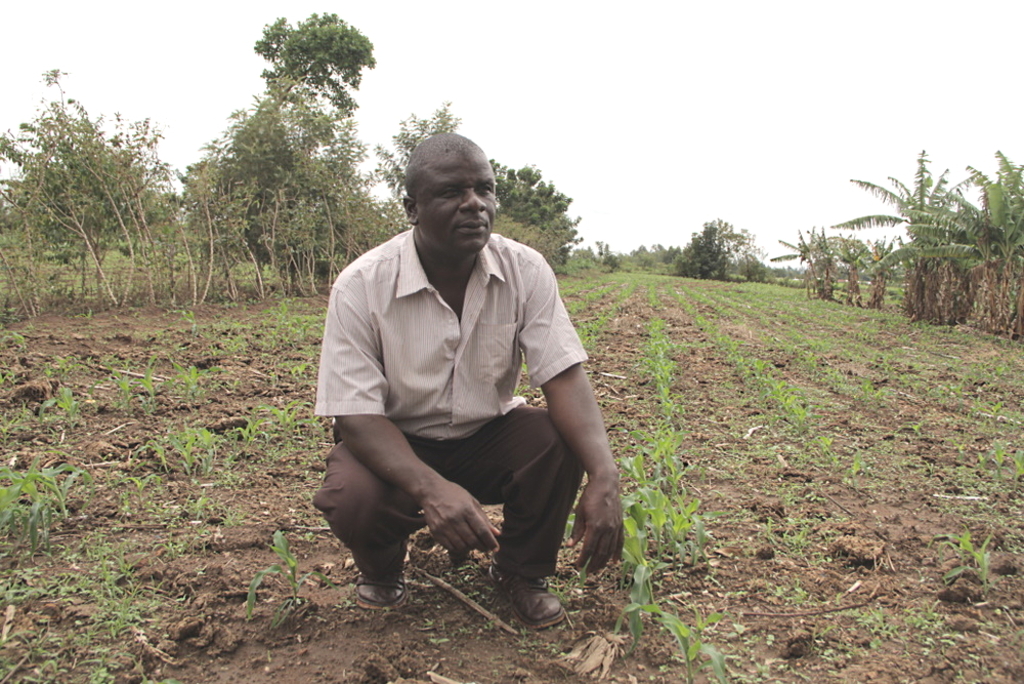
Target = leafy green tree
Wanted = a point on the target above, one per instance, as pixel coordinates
(937, 290)
(666, 255)
(988, 238)
(525, 197)
(880, 269)
(706, 256)
(817, 252)
(283, 191)
(609, 259)
(852, 253)
(750, 266)
(323, 57)
(803, 252)
(746, 259)
(412, 131)
(280, 192)
(82, 190)
(642, 258)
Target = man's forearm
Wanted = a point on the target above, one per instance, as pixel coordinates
(380, 446)
(574, 411)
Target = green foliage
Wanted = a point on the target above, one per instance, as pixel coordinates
(29, 500)
(662, 526)
(525, 197)
(706, 256)
(323, 56)
(67, 403)
(964, 259)
(971, 558)
(290, 571)
(281, 190)
(412, 131)
(148, 383)
(79, 193)
(197, 449)
(692, 647)
(818, 253)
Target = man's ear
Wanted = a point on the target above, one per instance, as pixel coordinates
(410, 209)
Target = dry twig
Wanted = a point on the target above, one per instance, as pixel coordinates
(15, 668)
(468, 601)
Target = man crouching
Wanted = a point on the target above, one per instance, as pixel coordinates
(422, 351)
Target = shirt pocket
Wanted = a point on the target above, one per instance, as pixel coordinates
(496, 352)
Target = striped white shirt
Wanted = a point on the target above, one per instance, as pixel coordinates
(393, 347)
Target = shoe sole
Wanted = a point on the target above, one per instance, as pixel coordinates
(539, 625)
(366, 605)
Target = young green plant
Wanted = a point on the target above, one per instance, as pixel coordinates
(289, 568)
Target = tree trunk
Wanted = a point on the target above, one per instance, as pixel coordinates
(877, 298)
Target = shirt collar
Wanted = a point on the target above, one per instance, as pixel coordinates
(412, 278)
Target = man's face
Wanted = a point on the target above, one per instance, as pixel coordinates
(453, 206)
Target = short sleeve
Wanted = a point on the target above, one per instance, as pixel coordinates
(548, 339)
(351, 378)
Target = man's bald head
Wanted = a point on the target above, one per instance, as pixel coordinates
(434, 147)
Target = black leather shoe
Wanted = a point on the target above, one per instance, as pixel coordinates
(532, 603)
(380, 583)
(387, 592)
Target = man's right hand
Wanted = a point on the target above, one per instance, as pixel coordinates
(456, 519)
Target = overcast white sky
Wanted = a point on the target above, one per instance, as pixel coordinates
(655, 117)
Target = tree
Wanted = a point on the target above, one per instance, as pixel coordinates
(880, 269)
(987, 239)
(323, 56)
(412, 131)
(938, 291)
(81, 192)
(818, 253)
(525, 197)
(998, 231)
(707, 254)
(281, 188)
(852, 253)
(746, 259)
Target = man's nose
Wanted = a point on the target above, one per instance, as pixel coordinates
(472, 201)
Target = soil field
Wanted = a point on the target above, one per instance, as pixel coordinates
(859, 479)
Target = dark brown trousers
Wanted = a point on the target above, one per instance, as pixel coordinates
(518, 460)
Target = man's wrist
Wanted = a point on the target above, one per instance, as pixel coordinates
(424, 487)
(604, 477)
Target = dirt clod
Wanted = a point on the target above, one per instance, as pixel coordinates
(797, 644)
(857, 550)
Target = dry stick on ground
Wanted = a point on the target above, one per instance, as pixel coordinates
(16, 668)
(158, 378)
(110, 432)
(468, 601)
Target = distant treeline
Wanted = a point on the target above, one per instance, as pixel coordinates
(90, 217)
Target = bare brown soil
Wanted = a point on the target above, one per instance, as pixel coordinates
(823, 575)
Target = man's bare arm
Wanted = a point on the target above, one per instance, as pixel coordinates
(455, 518)
(578, 419)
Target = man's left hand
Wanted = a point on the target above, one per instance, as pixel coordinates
(599, 524)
